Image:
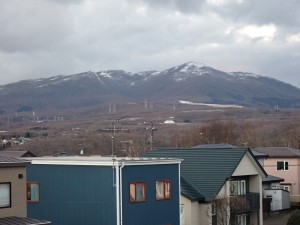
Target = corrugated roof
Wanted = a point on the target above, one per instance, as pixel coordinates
(11, 161)
(205, 169)
(279, 151)
(22, 221)
(17, 154)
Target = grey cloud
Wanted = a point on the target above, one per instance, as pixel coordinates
(282, 13)
(190, 6)
(31, 27)
(53, 37)
(66, 1)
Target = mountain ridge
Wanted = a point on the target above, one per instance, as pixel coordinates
(191, 81)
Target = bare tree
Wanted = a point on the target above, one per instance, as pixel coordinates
(224, 210)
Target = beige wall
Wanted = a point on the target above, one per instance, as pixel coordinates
(246, 167)
(18, 191)
(195, 213)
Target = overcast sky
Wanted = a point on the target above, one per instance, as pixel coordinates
(43, 38)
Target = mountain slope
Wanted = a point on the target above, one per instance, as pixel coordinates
(189, 81)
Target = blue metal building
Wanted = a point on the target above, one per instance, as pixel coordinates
(104, 190)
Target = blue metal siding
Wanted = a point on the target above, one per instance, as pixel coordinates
(73, 195)
(151, 212)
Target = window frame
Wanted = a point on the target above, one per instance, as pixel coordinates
(135, 197)
(241, 219)
(10, 203)
(165, 195)
(238, 187)
(285, 166)
(28, 185)
(286, 188)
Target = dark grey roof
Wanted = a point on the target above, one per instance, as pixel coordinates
(204, 170)
(279, 151)
(17, 154)
(22, 221)
(272, 179)
(259, 154)
(12, 162)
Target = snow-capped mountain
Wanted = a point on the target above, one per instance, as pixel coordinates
(190, 81)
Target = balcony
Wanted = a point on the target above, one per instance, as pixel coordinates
(245, 203)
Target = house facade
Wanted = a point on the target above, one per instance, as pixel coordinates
(213, 179)
(12, 186)
(104, 190)
(285, 163)
(275, 197)
(13, 205)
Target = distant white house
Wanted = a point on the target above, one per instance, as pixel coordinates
(169, 121)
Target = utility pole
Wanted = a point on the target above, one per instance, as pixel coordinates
(112, 149)
(151, 139)
(114, 129)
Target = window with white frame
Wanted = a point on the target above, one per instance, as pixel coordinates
(241, 219)
(283, 165)
(237, 187)
(5, 195)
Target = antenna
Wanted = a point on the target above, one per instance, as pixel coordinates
(128, 149)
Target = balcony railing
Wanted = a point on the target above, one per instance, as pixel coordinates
(245, 203)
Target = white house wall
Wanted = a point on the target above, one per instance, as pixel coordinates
(280, 199)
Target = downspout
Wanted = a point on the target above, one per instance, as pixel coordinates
(179, 194)
(121, 195)
(117, 185)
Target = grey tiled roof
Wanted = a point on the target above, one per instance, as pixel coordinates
(279, 151)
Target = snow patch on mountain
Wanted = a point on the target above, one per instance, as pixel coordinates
(243, 75)
(188, 70)
(105, 74)
(210, 105)
(40, 86)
